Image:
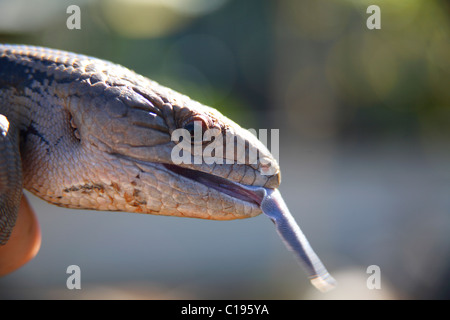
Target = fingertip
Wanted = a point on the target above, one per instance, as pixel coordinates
(24, 242)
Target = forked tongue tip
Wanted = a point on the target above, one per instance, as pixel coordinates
(275, 208)
(324, 283)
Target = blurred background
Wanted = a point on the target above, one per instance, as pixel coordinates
(364, 119)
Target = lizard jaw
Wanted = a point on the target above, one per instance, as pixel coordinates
(232, 189)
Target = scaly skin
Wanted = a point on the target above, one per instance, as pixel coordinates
(94, 135)
(84, 133)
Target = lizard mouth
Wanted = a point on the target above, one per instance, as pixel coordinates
(252, 195)
(232, 189)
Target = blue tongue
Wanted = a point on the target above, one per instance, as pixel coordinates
(275, 208)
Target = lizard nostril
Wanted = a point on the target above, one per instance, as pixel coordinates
(76, 133)
(274, 181)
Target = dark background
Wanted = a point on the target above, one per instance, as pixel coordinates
(364, 119)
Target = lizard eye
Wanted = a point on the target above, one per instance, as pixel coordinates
(196, 126)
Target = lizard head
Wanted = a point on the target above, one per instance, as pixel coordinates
(156, 151)
(113, 140)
